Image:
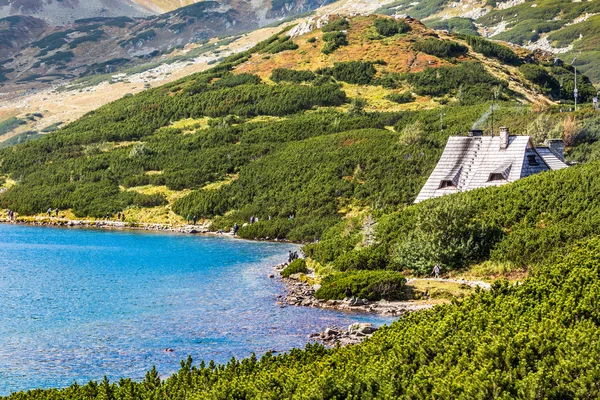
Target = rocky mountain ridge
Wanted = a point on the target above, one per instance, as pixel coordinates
(37, 54)
(569, 29)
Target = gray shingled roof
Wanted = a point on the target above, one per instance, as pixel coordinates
(469, 161)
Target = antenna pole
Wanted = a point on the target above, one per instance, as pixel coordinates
(492, 115)
(575, 90)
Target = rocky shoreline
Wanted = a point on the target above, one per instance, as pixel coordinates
(354, 334)
(107, 224)
(300, 293)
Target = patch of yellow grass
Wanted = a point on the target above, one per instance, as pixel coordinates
(376, 98)
(220, 184)
(170, 195)
(8, 183)
(491, 271)
(264, 118)
(156, 215)
(190, 125)
(429, 289)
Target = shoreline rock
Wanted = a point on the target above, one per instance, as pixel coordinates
(302, 294)
(354, 334)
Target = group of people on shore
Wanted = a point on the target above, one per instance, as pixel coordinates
(194, 219)
(50, 212)
(292, 255)
(10, 214)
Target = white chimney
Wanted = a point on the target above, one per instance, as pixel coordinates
(503, 138)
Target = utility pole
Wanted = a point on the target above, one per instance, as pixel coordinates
(575, 91)
(493, 98)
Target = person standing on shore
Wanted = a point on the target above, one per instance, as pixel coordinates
(195, 219)
(436, 271)
(49, 212)
(188, 219)
(56, 212)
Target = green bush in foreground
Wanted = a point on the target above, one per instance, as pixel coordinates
(538, 339)
(370, 285)
(297, 266)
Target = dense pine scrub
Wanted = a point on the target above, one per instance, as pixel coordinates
(526, 223)
(537, 339)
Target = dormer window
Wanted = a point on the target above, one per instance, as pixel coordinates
(532, 161)
(447, 184)
(496, 177)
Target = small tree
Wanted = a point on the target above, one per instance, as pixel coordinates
(412, 133)
(447, 234)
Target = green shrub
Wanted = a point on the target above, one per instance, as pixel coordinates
(491, 49)
(446, 235)
(333, 41)
(356, 72)
(297, 266)
(338, 25)
(390, 27)
(471, 79)
(369, 258)
(401, 98)
(463, 26)
(370, 285)
(541, 77)
(439, 48)
(291, 75)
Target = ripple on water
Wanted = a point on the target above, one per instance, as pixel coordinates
(80, 304)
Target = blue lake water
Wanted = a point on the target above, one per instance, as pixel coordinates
(79, 304)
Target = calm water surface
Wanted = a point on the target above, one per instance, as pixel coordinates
(79, 304)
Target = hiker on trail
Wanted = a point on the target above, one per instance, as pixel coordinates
(436, 270)
(195, 219)
(235, 229)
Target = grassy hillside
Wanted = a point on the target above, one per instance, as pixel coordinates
(252, 137)
(538, 339)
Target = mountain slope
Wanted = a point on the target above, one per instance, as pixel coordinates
(219, 144)
(564, 27)
(64, 12)
(100, 45)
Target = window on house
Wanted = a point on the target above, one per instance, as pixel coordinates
(531, 160)
(446, 183)
(496, 177)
